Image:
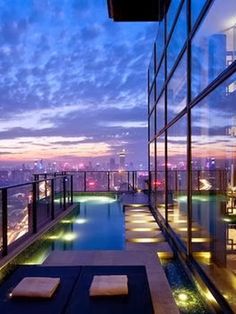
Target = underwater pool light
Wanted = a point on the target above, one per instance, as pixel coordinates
(80, 221)
(54, 237)
(69, 236)
(66, 221)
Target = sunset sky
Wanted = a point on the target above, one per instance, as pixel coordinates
(73, 82)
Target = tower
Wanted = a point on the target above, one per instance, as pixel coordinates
(122, 159)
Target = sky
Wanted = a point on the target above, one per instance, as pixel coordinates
(73, 83)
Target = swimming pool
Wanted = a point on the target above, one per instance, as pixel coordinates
(96, 223)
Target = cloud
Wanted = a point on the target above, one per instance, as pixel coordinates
(38, 119)
(127, 124)
(30, 148)
(67, 69)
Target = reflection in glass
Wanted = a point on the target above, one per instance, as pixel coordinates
(152, 98)
(160, 113)
(172, 13)
(151, 70)
(160, 79)
(152, 125)
(152, 172)
(178, 39)
(177, 177)
(196, 7)
(19, 200)
(0, 220)
(214, 184)
(159, 42)
(214, 45)
(160, 179)
(177, 90)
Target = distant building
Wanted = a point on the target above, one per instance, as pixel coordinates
(122, 159)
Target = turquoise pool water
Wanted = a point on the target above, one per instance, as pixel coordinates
(96, 223)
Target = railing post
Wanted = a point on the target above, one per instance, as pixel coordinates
(64, 193)
(36, 177)
(52, 200)
(128, 182)
(85, 187)
(34, 208)
(4, 223)
(176, 180)
(133, 179)
(71, 189)
(198, 180)
(108, 181)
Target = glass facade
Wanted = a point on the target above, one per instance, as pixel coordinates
(160, 174)
(178, 38)
(160, 113)
(193, 159)
(177, 90)
(213, 45)
(177, 177)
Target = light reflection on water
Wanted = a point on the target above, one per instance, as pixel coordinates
(93, 225)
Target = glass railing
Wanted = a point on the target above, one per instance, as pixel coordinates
(27, 208)
(104, 181)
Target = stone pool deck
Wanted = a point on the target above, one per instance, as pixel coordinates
(144, 251)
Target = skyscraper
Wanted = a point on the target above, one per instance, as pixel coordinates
(122, 159)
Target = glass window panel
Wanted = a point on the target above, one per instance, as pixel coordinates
(159, 42)
(152, 125)
(214, 45)
(160, 175)
(152, 98)
(160, 113)
(18, 208)
(172, 11)
(177, 177)
(152, 173)
(151, 70)
(1, 220)
(160, 79)
(196, 7)
(177, 40)
(177, 90)
(214, 184)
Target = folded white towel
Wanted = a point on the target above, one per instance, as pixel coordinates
(109, 285)
(36, 287)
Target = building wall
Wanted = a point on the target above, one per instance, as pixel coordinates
(192, 137)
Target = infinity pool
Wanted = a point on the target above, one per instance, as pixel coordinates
(96, 223)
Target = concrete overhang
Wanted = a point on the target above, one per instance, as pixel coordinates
(137, 10)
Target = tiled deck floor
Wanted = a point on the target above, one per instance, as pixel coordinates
(135, 254)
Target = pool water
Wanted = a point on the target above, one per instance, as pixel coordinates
(96, 223)
(185, 292)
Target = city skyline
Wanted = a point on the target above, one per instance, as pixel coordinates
(63, 94)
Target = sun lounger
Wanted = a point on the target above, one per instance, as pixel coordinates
(138, 300)
(35, 305)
